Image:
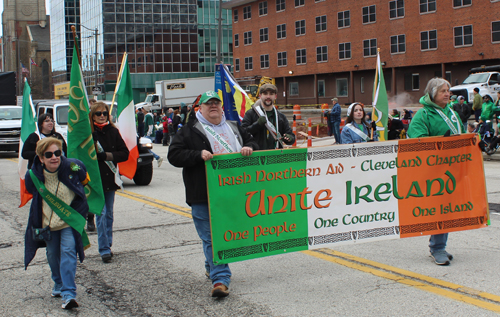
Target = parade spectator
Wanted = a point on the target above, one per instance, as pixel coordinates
(194, 144)
(140, 122)
(436, 119)
(335, 119)
(453, 100)
(256, 125)
(395, 113)
(356, 129)
(477, 104)
(395, 127)
(166, 137)
(110, 149)
(48, 226)
(487, 110)
(497, 113)
(408, 114)
(462, 109)
(170, 113)
(176, 120)
(149, 131)
(183, 112)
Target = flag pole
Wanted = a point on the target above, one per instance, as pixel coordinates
(118, 81)
(75, 38)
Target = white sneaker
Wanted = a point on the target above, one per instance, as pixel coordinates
(160, 160)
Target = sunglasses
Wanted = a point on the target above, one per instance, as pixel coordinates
(49, 154)
(101, 113)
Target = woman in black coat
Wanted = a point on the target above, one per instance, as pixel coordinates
(46, 129)
(110, 149)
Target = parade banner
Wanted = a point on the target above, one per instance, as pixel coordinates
(280, 201)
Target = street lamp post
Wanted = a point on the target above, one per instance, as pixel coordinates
(95, 61)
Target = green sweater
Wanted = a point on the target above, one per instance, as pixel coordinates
(487, 111)
(428, 122)
(477, 103)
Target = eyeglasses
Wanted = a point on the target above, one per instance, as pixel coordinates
(213, 103)
(101, 113)
(48, 120)
(49, 154)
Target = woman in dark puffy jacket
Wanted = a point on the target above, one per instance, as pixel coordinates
(110, 149)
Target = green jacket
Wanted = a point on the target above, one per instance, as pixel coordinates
(487, 111)
(428, 122)
(478, 102)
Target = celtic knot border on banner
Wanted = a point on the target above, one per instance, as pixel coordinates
(419, 227)
(420, 146)
(285, 158)
(287, 244)
(374, 150)
(242, 251)
(377, 232)
(457, 144)
(330, 154)
(236, 162)
(462, 222)
(330, 238)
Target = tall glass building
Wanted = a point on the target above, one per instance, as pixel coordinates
(164, 39)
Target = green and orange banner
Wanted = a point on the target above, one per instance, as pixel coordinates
(280, 201)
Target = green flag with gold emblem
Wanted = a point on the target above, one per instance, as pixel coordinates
(80, 141)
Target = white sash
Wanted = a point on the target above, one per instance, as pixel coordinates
(448, 122)
(218, 138)
(360, 133)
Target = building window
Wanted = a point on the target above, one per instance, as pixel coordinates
(321, 23)
(370, 47)
(247, 12)
(264, 61)
(362, 85)
(342, 87)
(236, 64)
(461, 3)
(299, 3)
(280, 5)
(447, 76)
(343, 19)
(294, 89)
(264, 34)
(263, 8)
(281, 31)
(427, 6)
(281, 59)
(463, 35)
(428, 40)
(248, 63)
(495, 32)
(321, 88)
(344, 51)
(236, 40)
(415, 81)
(398, 44)
(396, 9)
(247, 38)
(369, 15)
(300, 56)
(235, 16)
(300, 27)
(322, 54)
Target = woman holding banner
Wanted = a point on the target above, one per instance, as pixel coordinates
(436, 119)
(356, 129)
(110, 149)
(57, 181)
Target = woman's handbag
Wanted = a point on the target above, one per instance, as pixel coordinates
(41, 234)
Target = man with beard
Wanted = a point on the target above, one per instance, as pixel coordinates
(262, 126)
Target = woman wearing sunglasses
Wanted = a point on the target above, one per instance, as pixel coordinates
(57, 216)
(45, 129)
(110, 149)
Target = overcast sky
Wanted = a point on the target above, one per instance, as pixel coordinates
(47, 8)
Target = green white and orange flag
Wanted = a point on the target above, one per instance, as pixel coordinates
(80, 141)
(28, 126)
(380, 103)
(126, 120)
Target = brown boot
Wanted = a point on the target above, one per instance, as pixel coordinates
(220, 290)
(90, 222)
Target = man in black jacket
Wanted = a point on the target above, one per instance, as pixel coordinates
(199, 139)
(256, 124)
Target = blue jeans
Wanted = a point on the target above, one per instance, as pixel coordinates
(336, 131)
(437, 242)
(151, 151)
(61, 255)
(218, 273)
(105, 224)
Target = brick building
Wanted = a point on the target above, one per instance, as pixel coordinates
(322, 49)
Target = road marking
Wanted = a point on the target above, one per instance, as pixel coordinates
(423, 282)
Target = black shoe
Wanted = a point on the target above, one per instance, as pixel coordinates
(106, 258)
(90, 223)
(70, 304)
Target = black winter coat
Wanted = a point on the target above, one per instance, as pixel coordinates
(73, 180)
(29, 148)
(185, 151)
(259, 132)
(111, 141)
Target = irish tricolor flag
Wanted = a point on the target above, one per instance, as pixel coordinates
(28, 126)
(126, 121)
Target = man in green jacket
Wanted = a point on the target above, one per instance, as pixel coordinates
(477, 104)
(488, 109)
(436, 118)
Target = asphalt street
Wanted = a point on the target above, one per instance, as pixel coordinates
(158, 266)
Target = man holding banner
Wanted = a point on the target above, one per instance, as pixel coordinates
(207, 134)
(436, 119)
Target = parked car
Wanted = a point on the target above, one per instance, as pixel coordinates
(10, 127)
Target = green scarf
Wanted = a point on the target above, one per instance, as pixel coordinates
(63, 210)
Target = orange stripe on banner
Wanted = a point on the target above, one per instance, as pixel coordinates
(129, 167)
(25, 195)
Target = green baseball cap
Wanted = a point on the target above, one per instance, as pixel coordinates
(209, 95)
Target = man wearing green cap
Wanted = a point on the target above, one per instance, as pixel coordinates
(206, 134)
